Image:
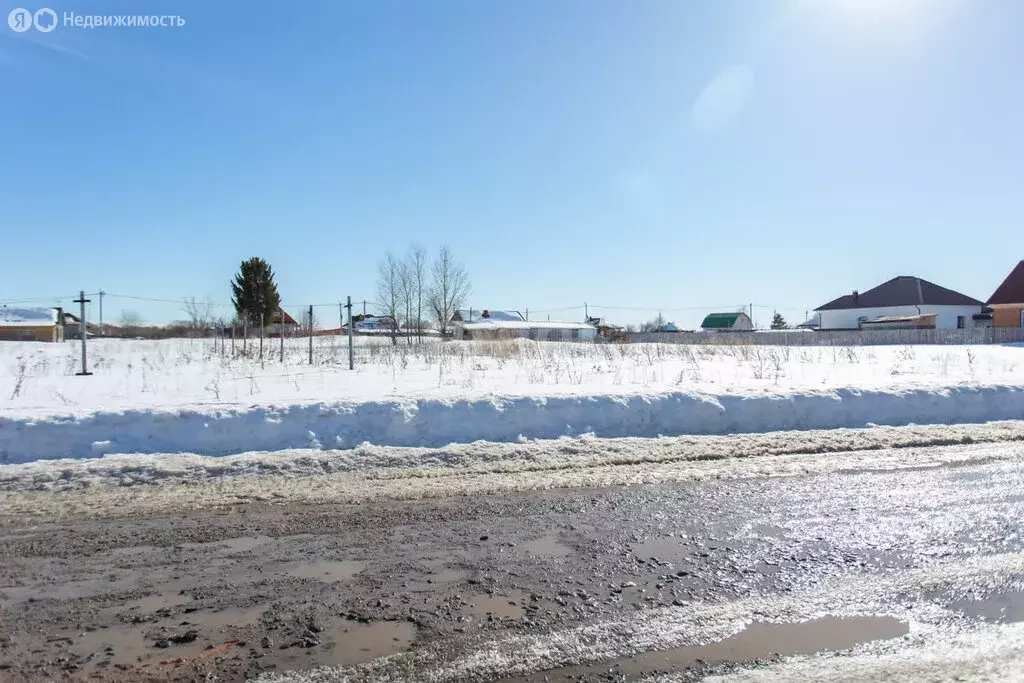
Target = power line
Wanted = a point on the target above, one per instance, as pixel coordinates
(556, 310)
(37, 299)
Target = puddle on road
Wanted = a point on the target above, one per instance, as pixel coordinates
(1000, 608)
(352, 642)
(665, 549)
(207, 621)
(449, 575)
(758, 641)
(155, 603)
(123, 645)
(348, 643)
(498, 606)
(230, 546)
(327, 571)
(546, 546)
(67, 590)
(126, 644)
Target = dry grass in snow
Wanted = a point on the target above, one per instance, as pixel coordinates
(39, 379)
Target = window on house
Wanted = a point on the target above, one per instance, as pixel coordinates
(961, 322)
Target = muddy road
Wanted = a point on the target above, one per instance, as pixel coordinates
(659, 581)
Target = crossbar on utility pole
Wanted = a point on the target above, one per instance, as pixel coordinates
(82, 329)
(351, 364)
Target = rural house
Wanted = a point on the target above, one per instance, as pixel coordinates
(537, 330)
(31, 324)
(727, 322)
(605, 329)
(72, 326)
(1007, 302)
(282, 324)
(487, 324)
(900, 303)
(470, 315)
(370, 324)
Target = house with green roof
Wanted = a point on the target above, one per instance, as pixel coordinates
(727, 322)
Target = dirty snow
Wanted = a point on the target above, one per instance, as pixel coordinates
(50, 490)
(196, 396)
(936, 632)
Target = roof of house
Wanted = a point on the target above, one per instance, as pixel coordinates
(721, 320)
(476, 314)
(602, 323)
(884, 319)
(276, 319)
(905, 290)
(524, 325)
(1012, 289)
(27, 317)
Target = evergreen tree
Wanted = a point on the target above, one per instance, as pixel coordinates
(254, 292)
(778, 322)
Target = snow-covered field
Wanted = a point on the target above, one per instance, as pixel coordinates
(199, 396)
(39, 379)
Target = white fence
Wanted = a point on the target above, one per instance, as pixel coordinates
(991, 335)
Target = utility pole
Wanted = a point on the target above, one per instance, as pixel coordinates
(310, 334)
(364, 308)
(263, 324)
(586, 311)
(280, 330)
(101, 312)
(82, 330)
(527, 315)
(351, 364)
(751, 315)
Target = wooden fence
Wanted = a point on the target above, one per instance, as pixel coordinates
(991, 335)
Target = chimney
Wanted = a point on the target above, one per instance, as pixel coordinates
(856, 295)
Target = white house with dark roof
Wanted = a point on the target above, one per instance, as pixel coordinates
(903, 301)
(488, 324)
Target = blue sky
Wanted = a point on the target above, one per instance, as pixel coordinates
(648, 154)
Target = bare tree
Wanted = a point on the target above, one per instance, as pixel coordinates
(307, 324)
(130, 322)
(655, 325)
(407, 293)
(416, 265)
(389, 291)
(200, 314)
(449, 287)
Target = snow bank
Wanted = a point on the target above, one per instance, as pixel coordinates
(486, 457)
(436, 422)
(147, 485)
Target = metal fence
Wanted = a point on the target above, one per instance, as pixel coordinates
(990, 335)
